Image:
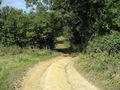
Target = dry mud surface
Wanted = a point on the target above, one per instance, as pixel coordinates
(55, 74)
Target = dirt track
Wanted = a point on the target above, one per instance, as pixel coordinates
(55, 74)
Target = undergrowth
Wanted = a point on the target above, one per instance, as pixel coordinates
(102, 59)
(14, 61)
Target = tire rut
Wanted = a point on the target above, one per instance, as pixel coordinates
(33, 75)
(77, 81)
(55, 74)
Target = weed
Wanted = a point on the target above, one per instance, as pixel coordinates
(15, 60)
(102, 59)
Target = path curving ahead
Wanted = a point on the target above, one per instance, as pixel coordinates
(55, 74)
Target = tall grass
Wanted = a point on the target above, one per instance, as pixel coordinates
(102, 60)
(14, 61)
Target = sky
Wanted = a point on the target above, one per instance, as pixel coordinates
(19, 4)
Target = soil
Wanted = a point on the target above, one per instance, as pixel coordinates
(55, 74)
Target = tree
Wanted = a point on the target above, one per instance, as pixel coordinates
(0, 2)
(37, 5)
(47, 27)
(14, 28)
(87, 17)
(53, 27)
(80, 20)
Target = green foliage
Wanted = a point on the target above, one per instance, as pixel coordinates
(82, 18)
(14, 28)
(78, 20)
(14, 61)
(104, 68)
(0, 2)
(46, 27)
(40, 5)
(102, 59)
(109, 43)
(35, 29)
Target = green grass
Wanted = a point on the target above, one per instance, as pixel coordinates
(93, 70)
(61, 38)
(101, 61)
(62, 43)
(14, 61)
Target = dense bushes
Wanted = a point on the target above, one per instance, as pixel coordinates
(80, 19)
(109, 42)
(83, 18)
(35, 29)
(103, 59)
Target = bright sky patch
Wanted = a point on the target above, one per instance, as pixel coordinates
(20, 4)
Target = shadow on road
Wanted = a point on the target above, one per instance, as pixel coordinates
(68, 51)
(65, 50)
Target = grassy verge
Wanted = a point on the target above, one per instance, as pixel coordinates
(94, 72)
(101, 61)
(14, 61)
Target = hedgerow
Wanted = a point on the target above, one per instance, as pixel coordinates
(103, 59)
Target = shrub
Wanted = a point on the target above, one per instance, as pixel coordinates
(109, 43)
(103, 58)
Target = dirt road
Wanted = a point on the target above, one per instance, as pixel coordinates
(55, 74)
